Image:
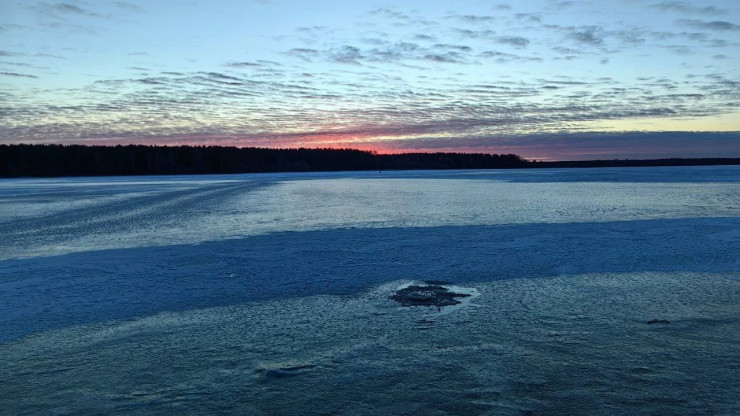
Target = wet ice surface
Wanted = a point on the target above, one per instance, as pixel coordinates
(269, 294)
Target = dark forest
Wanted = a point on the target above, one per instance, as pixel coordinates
(79, 160)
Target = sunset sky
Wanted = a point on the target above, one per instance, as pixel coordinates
(542, 79)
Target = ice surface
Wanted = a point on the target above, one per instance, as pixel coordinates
(39, 218)
(562, 345)
(49, 292)
(268, 294)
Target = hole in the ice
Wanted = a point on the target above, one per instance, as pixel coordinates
(427, 295)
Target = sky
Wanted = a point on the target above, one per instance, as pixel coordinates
(544, 79)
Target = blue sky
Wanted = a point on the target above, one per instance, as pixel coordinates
(543, 79)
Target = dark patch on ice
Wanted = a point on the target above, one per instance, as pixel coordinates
(658, 321)
(284, 372)
(432, 295)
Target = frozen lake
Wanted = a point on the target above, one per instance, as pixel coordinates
(268, 293)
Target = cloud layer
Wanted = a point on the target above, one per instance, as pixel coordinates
(508, 77)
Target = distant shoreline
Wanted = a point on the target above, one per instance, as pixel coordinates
(24, 160)
(616, 163)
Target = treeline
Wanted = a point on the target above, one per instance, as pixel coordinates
(78, 160)
(637, 163)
